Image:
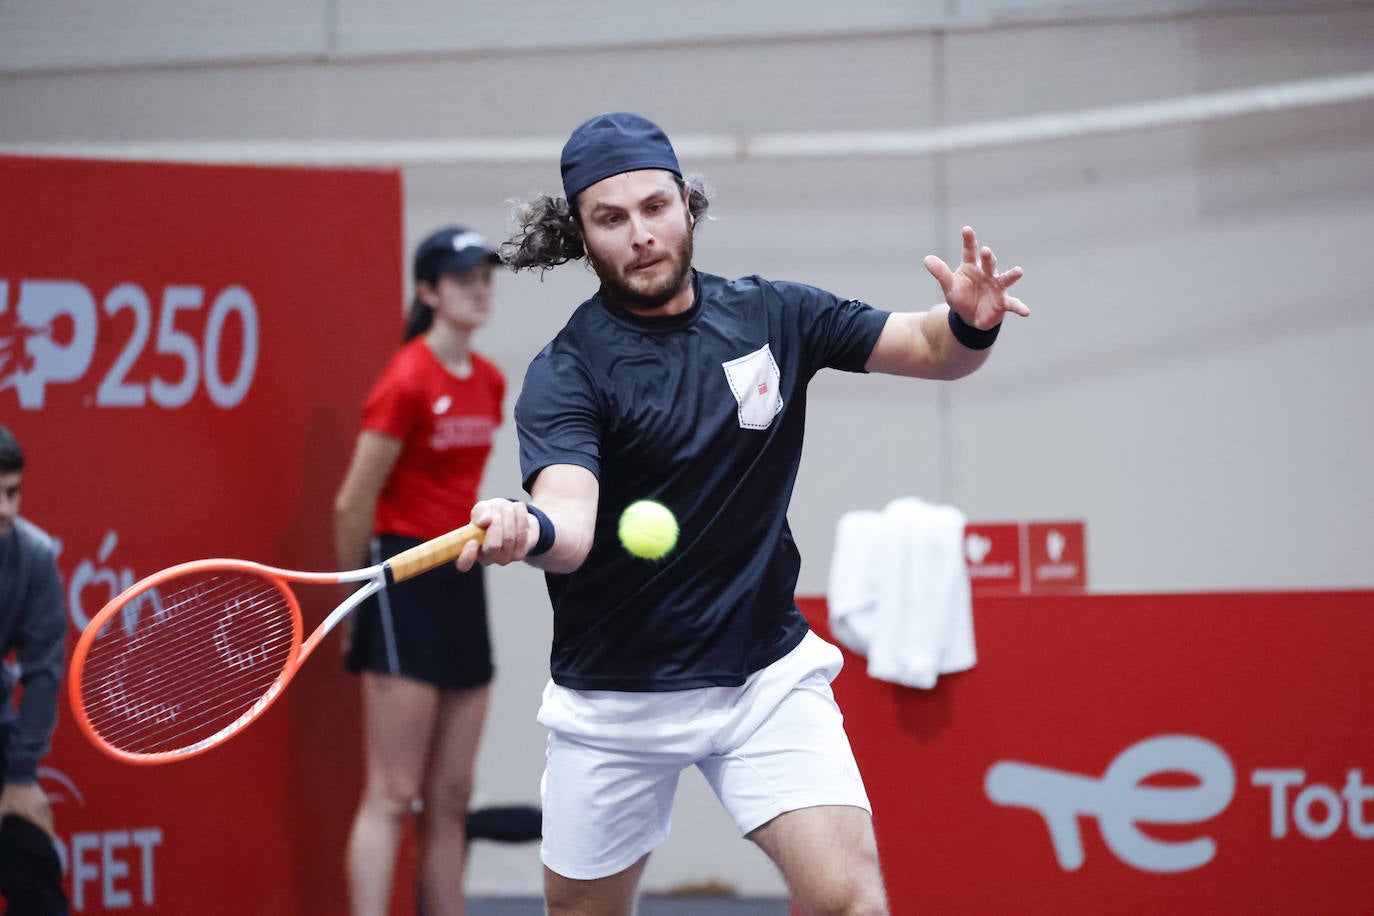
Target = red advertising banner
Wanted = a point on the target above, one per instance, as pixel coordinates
(993, 552)
(1026, 557)
(1056, 556)
(1182, 754)
(184, 351)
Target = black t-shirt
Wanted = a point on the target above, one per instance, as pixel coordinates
(704, 412)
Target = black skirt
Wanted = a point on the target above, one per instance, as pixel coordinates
(432, 628)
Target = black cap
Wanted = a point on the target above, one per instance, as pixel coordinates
(609, 144)
(451, 250)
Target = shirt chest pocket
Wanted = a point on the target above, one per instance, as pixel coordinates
(757, 385)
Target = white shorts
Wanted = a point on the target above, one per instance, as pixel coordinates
(774, 744)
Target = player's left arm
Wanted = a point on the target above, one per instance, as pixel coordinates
(923, 344)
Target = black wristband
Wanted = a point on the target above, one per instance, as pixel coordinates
(968, 335)
(546, 532)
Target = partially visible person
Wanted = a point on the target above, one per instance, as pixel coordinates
(422, 646)
(33, 624)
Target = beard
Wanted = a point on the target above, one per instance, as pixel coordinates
(639, 293)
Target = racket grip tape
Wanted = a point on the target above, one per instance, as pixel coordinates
(432, 553)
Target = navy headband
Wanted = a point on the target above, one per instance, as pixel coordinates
(609, 144)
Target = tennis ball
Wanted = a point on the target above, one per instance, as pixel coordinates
(648, 529)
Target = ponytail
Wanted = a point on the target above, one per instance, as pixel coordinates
(418, 320)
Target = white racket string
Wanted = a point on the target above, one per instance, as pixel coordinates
(150, 641)
(167, 609)
(188, 661)
(151, 720)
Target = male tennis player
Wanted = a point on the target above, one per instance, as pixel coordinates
(33, 622)
(676, 385)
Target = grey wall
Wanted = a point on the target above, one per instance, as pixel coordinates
(1194, 382)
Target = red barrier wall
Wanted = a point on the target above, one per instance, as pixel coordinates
(184, 351)
(1130, 754)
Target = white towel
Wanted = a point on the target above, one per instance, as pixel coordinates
(899, 591)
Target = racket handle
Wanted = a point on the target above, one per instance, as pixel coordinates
(426, 556)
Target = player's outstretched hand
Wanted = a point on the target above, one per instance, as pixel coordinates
(976, 290)
(507, 525)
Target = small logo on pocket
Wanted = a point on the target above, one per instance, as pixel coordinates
(755, 381)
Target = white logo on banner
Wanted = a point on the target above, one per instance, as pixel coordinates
(29, 356)
(1347, 805)
(109, 582)
(977, 547)
(1120, 801)
(107, 868)
(1054, 545)
(50, 338)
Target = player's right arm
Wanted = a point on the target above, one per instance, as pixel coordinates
(567, 494)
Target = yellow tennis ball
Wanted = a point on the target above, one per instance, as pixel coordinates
(648, 529)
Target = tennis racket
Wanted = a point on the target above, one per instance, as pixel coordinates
(184, 659)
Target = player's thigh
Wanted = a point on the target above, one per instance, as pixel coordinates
(798, 756)
(453, 751)
(604, 808)
(613, 895)
(829, 858)
(399, 717)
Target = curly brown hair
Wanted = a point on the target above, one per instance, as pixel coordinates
(548, 233)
